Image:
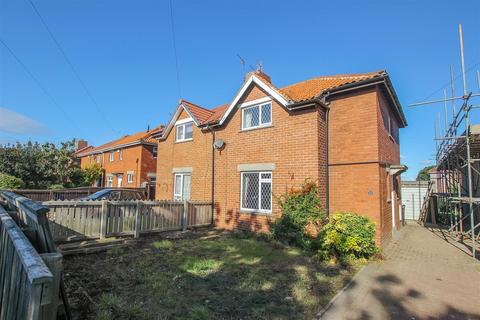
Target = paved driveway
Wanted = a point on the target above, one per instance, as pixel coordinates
(422, 277)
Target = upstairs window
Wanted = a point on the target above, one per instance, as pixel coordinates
(120, 154)
(99, 159)
(155, 152)
(112, 156)
(184, 132)
(257, 116)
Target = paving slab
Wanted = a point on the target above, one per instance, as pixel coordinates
(423, 276)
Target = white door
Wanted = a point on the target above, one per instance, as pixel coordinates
(119, 180)
(181, 186)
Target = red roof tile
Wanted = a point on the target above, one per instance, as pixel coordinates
(311, 88)
(143, 136)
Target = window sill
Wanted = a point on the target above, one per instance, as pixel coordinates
(254, 212)
(257, 128)
(182, 141)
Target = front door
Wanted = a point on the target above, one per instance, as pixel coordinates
(119, 180)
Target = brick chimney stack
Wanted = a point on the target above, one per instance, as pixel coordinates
(80, 144)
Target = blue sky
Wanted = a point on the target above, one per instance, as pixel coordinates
(123, 52)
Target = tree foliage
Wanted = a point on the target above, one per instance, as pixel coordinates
(10, 182)
(423, 174)
(92, 173)
(41, 165)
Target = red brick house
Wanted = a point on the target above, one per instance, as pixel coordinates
(130, 161)
(342, 130)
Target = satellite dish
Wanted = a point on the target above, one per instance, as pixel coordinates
(219, 144)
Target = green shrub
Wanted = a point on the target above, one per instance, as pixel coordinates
(300, 208)
(56, 186)
(347, 236)
(10, 182)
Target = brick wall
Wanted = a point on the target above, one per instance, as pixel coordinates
(360, 149)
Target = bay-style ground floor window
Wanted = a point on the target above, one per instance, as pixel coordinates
(256, 191)
(181, 186)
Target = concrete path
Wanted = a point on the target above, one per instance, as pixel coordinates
(422, 277)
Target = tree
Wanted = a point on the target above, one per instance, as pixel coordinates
(92, 173)
(10, 182)
(423, 174)
(41, 165)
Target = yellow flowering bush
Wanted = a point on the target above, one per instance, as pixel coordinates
(348, 235)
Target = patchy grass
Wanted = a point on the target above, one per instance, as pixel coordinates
(207, 276)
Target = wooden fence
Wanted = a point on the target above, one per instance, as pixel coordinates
(64, 194)
(100, 219)
(29, 282)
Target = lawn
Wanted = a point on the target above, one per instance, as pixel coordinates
(204, 275)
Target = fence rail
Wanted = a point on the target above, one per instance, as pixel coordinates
(63, 194)
(27, 286)
(100, 219)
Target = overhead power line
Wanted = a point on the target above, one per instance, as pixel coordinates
(447, 85)
(175, 49)
(70, 64)
(40, 85)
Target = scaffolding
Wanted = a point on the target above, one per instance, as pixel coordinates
(457, 164)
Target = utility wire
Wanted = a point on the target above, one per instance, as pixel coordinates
(174, 49)
(70, 64)
(446, 85)
(40, 85)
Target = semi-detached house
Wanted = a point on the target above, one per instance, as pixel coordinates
(130, 161)
(341, 130)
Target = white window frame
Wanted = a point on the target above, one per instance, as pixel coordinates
(109, 181)
(260, 180)
(183, 127)
(155, 152)
(112, 156)
(260, 124)
(120, 154)
(98, 159)
(129, 177)
(179, 196)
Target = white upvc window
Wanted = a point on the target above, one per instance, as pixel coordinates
(184, 132)
(120, 154)
(112, 156)
(256, 191)
(99, 158)
(181, 186)
(129, 177)
(155, 152)
(109, 181)
(257, 116)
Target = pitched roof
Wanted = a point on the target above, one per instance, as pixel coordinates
(200, 114)
(292, 94)
(136, 138)
(312, 88)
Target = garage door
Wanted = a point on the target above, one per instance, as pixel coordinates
(412, 199)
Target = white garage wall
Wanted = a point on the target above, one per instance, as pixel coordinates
(412, 198)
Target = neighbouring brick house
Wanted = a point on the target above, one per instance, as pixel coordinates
(340, 130)
(130, 161)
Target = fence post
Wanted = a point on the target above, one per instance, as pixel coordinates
(54, 263)
(137, 221)
(184, 215)
(103, 219)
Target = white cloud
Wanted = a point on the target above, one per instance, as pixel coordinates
(13, 122)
